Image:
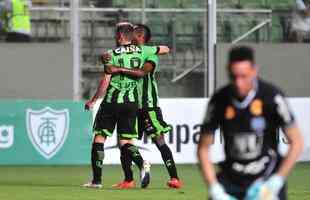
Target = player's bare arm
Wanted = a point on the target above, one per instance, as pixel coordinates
(106, 57)
(136, 72)
(103, 85)
(207, 167)
(112, 69)
(147, 68)
(273, 184)
(295, 140)
(163, 50)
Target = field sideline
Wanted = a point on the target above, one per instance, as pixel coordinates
(63, 183)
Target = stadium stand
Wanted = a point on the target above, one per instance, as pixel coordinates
(181, 31)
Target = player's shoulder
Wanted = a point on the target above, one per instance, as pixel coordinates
(223, 93)
(147, 46)
(269, 89)
(150, 49)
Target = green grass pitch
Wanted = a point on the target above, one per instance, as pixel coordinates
(63, 183)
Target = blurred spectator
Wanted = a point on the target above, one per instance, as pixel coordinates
(301, 21)
(18, 18)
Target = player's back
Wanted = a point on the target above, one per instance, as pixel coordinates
(127, 56)
(123, 88)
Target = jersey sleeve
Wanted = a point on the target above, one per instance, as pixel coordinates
(150, 50)
(153, 59)
(212, 119)
(282, 112)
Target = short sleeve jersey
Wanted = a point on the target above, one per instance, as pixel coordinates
(122, 88)
(250, 129)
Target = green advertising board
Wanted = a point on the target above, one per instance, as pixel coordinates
(44, 133)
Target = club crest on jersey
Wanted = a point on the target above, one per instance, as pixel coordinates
(47, 129)
(258, 124)
(230, 113)
(256, 107)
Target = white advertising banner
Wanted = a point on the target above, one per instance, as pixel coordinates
(185, 116)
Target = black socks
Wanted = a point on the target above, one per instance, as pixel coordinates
(97, 155)
(126, 164)
(168, 159)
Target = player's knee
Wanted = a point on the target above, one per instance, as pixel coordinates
(129, 148)
(159, 141)
(124, 142)
(99, 139)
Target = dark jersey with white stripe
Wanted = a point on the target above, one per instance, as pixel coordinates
(250, 130)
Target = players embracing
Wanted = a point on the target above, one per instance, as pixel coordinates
(131, 102)
(150, 116)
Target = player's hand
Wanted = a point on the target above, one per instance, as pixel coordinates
(253, 191)
(265, 190)
(106, 57)
(89, 105)
(217, 192)
(163, 50)
(109, 69)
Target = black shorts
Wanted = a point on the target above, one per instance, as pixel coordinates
(239, 191)
(124, 115)
(151, 122)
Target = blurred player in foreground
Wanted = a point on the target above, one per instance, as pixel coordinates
(119, 107)
(151, 121)
(249, 113)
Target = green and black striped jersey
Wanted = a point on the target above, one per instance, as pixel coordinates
(123, 88)
(148, 86)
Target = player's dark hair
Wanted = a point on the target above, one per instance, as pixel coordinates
(241, 53)
(141, 28)
(126, 30)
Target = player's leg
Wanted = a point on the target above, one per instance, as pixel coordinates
(97, 156)
(167, 157)
(103, 127)
(126, 160)
(126, 163)
(141, 123)
(127, 129)
(156, 127)
(131, 151)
